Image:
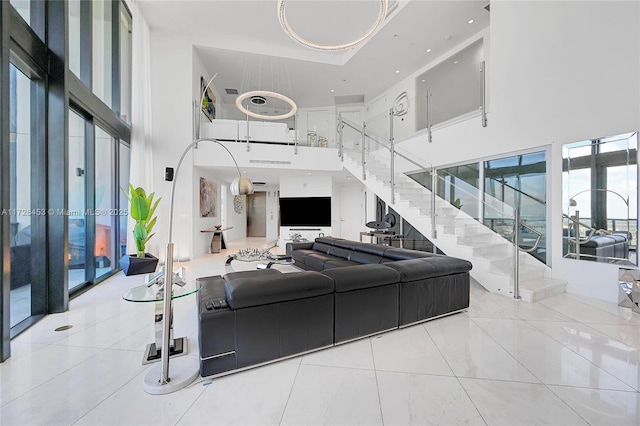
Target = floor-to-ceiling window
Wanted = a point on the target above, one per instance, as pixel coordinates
(64, 152)
(76, 237)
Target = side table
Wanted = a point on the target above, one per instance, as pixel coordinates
(142, 294)
(217, 239)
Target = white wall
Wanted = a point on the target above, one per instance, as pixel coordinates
(171, 106)
(559, 72)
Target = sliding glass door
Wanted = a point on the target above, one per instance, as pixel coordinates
(26, 212)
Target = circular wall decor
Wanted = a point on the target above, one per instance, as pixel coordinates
(238, 203)
(282, 17)
(265, 94)
(401, 105)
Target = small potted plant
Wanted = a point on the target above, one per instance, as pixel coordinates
(141, 208)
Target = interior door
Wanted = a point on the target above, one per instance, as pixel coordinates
(257, 214)
(352, 199)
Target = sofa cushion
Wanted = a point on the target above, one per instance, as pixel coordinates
(255, 288)
(324, 248)
(362, 276)
(360, 257)
(362, 247)
(338, 263)
(317, 260)
(327, 240)
(406, 254)
(429, 267)
(340, 252)
(299, 255)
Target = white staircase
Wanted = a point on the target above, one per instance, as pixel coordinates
(458, 234)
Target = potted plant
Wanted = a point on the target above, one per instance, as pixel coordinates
(141, 208)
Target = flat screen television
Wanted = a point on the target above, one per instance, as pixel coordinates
(305, 211)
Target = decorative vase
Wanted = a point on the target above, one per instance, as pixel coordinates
(133, 265)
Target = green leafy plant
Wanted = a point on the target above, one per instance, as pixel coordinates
(457, 203)
(141, 208)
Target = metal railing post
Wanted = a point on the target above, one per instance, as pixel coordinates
(434, 181)
(247, 131)
(364, 162)
(393, 152)
(295, 132)
(483, 94)
(577, 231)
(429, 135)
(516, 257)
(340, 130)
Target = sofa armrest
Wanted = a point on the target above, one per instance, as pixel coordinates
(298, 246)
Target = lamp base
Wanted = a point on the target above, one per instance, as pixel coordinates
(183, 372)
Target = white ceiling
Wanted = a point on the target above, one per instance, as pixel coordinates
(245, 45)
(249, 50)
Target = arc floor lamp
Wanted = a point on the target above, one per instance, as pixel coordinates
(157, 380)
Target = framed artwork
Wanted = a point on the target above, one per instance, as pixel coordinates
(208, 100)
(208, 198)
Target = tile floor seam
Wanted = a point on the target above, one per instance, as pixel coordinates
(104, 399)
(505, 349)
(567, 404)
(204, 390)
(553, 384)
(587, 359)
(286, 404)
(375, 372)
(574, 298)
(52, 377)
(585, 305)
(455, 375)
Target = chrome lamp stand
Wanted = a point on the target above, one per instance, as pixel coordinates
(157, 379)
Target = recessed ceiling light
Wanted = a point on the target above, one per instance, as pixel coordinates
(424, 81)
(470, 21)
(332, 90)
(455, 62)
(397, 71)
(308, 173)
(428, 50)
(447, 37)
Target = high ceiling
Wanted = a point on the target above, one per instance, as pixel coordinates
(243, 42)
(249, 50)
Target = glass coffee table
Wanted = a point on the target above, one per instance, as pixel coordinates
(144, 293)
(256, 255)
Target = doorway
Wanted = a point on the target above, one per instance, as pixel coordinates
(257, 214)
(351, 212)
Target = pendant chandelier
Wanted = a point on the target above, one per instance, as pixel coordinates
(282, 17)
(254, 93)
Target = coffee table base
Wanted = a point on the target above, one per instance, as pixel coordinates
(182, 372)
(152, 354)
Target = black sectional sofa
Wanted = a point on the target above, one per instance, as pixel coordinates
(348, 290)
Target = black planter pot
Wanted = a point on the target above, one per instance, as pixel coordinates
(133, 265)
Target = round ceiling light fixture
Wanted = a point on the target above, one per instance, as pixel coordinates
(258, 100)
(265, 94)
(282, 17)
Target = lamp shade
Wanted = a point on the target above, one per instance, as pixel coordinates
(241, 186)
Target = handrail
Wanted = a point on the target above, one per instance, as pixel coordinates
(577, 222)
(538, 238)
(519, 191)
(379, 141)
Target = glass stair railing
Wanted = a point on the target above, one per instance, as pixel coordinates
(455, 228)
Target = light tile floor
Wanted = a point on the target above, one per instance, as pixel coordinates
(565, 360)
